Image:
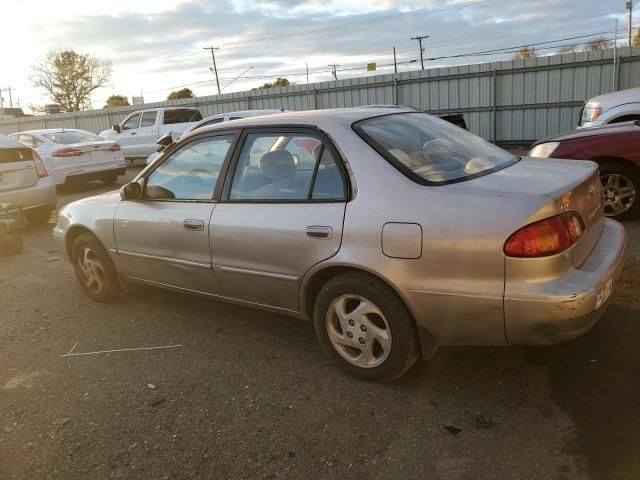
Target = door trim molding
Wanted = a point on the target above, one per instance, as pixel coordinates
(179, 261)
(257, 273)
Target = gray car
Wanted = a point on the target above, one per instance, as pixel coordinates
(393, 231)
(24, 181)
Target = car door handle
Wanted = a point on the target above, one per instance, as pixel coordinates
(323, 233)
(133, 133)
(193, 224)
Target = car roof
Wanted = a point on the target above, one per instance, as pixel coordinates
(49, 130)
(344, 117)
(6, 142)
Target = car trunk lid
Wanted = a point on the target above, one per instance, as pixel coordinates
(574, 185)
(93, 153)
(17, 169)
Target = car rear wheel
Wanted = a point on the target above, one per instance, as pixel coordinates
(94, 270)
(365, 327)
(620, 189)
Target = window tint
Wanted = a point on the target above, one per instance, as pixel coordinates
(68, 137)
(190, 173)
(131, 123)
(428, 149)
(148, 119)
(181, 115)
(282, 167)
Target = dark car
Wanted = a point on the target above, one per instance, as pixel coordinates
(616, 148)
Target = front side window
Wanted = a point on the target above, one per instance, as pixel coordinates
(431, 151)
(148, 119)
(286, 167)
(69, 137)
(132, 122)
(191, 172)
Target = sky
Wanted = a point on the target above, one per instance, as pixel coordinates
(156, 45)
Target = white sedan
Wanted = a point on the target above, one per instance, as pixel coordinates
(75, 155)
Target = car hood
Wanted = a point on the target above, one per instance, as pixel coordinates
(613, 128)
(613, 99)
(532, 177)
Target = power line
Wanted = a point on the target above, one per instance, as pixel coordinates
(358, 23)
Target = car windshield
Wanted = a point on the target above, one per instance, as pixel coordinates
(431, 151)
(69, 137)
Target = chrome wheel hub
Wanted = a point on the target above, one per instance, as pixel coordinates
(358, 331)
(619, 193)
(92, 270)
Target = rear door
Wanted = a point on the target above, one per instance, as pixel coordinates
(281, 212)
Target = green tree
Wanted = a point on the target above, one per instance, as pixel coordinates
(525, 53)
(183, 93)
(116, 101)
(70, 78)
(280, 82)
(636, 39)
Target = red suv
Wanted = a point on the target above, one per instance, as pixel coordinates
(616, 148)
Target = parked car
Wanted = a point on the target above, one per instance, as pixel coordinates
(75, 155)
(218, 118)
(616, 149)
(24, 181)
(139, 132)
(392, 230)
(614, 107)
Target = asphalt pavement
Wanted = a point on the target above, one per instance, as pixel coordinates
(237, 393)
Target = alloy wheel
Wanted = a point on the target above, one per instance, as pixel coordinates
(92, 270)
(358, 331)
(619, 193)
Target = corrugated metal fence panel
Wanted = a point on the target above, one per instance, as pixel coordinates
(504, 101)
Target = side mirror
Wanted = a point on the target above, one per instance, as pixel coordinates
(165, 140)
(116, 127)
(131, 191)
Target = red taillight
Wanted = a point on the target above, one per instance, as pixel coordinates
(115, 147)
(67, 152)
(545, 237)
(40, 168)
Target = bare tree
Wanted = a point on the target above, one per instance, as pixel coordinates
(599, 43)
(567, 49)
(525, 53)
(70, 78)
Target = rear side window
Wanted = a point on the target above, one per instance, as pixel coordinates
(66, 138)
(11, 155)
(181, 115)
(431, 151)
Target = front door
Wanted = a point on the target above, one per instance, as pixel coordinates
(128, 136)
(148, 134)
(281, 213)
(163, 238)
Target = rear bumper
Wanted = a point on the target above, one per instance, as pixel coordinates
(87, 176)
(40, 195)
(554, 311)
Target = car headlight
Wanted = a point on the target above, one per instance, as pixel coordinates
(590, 113)
(544, 150)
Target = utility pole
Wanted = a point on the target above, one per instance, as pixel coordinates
(215, 69)
(8, 89)
(333, 70)
(630, 16)
(420, 38)
(395, 64)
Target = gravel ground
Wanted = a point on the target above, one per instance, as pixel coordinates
(249, 394)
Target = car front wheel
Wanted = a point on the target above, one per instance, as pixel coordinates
(365, 327)
(620, 189)
(94, 270)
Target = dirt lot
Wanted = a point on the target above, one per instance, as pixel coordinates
(248, 394)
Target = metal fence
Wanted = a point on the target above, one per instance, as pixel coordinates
(506, 102)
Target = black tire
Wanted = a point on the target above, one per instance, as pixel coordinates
(404, 349)
(110, 180)
(104, 287)
(38, 216)
(632, 174)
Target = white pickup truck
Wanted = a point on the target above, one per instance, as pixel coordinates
(137, 134)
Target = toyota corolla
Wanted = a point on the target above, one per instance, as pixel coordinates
(393, 231)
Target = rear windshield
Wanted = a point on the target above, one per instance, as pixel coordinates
(181, 115)
(11, 155)
(67, 138)
(431, 151)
